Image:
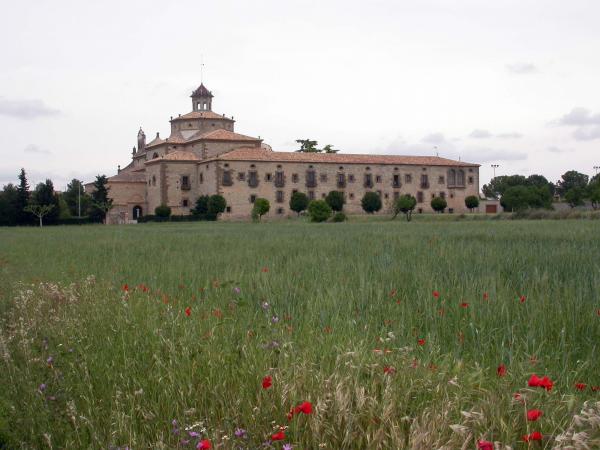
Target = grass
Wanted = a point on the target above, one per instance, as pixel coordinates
(345, 301)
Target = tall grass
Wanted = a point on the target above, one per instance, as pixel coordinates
(323, 309)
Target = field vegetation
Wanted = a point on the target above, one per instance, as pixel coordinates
(355, 335)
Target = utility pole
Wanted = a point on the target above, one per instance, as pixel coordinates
(495, 166)
(79, 199)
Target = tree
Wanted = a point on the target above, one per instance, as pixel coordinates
(42, 196)
(76, 197)
(405, 204)
(298, 202)
(472, 202)
(307, 146)
(216, 204)
(540, 181)
(163, 211)
(371, 202)
(575, 196)
(201, 205)
(8, 205)
(593, 191)
(319, 211)
(39, 210)
(261, 207)
(101, 203)
(517, 198)
(23, 217)
(571, 179)
(329, 149)
(439, 204)
(499, 185)
(336, 200)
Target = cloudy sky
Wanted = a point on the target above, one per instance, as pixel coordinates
(512, 82)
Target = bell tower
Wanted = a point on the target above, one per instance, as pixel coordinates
(202, 99)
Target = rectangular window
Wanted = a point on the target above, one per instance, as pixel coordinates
(185, 183)
(279, 179)
(227, 179)
(460, 178)
(408, 178)
(280, 211)
(420, 197)
(228, 209)
(441, 179)
(368, 180)
(443, 194)
(386, 195)
(470, 180)
(311, 195)
(378, 179)
(201, 177)
(396, 181)
(323, 178)
(252, 198)
(253, 179)
(351, 196)
(242, 176)
(279, 196)
(350, 178)
(294, 178)
(311, 178)
(268, 177)
(185, 203)
(424, 181)
(341, 180)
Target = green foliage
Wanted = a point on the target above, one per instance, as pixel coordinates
(299, 202)
(499, 185)
(201, 205)
(522, 197)
(571, 179)
(439, 204)
(329, 149)
(310, 146)
(319, 211)
(101, 203)
(23, 217)
(261, 207)
(472, 202)
(162, 211)
(339, 217)
(39, 211)
(216, 204)
(371, 202)
(593, 193)
(336, 200)
(44, 195)
(73, 195)
(63, 208)
(9, 198)
(575, 196)
(405, 204)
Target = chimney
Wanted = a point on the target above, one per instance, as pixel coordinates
(157, 135)
(119, 168)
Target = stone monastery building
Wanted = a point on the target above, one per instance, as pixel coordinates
(204, 156)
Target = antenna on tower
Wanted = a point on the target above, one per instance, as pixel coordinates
(201, 69)
(436, 150)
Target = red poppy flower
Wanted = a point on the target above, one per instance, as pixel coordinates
(535, 436)
(522, 299)
(267, 382)
(125, 288)
(518, 397)
(486, 296)
(598, 312)
(485, 445)
(544, 382)
(389, 370)
(421, 342)
(204, 445)
(304, 407)
(580, 386)
(436, 294)
(280, 436)
(501, 370)
(595, 388)
(264, 269)
(534, 414)
(188, 311)
(464, 305)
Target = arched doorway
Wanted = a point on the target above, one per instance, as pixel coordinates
(137, 212)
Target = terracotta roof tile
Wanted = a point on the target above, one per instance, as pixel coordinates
(201, 91)
(178, 155)
(261, 154)
(154, 142)
(222, 135)
(202, 115)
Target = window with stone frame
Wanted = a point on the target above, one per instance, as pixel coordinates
(280, 211)
(351, 196)
(341, 180)
(242, 176)
(268, 176)
(350, 178)
(279, 196)
(201, 177)
(368, 180)
(460, 178)
(471, 180)
(378, 179)
(451, 177)
(420, 197)
(185, 183)
(443, 195)
(253, 179)
(295, 178)
(311, 178)
(153, 180)
(408, 178)
(441, 179)
(396, 181)
(424, 181)
(227, 178)
(185, 202)
(279, 179)
(252, 198)
(323, 178)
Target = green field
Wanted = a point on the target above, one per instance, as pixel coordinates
(341, 315)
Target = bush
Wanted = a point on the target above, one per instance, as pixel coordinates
(371, 202)
(472, 202)
(319, 211)
(335, 199)
(201, 205)
(162, 211)
(438, 204)
(405, 204)
(339, 217)
(216, 204)
(261, 207)
(298, 202)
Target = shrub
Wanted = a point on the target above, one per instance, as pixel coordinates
(339, 217)
(216, 204)
(298, 202)
(201, 205)
(319, 211)
(371, 202)
(335, 199)
(405, 204)
(438, 204)
(472, 202)
(261, 207)
(162, 211)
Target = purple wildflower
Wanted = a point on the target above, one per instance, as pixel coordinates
(42, 387)
(274, 319)
(193, 434)
(174, 422)
(264, 305)
(50, 360)
(287, 447)
(237, 290)
(184, 441)
(240, 433)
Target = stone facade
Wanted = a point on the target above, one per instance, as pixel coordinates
(204, 156)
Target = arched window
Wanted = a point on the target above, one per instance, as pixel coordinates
(153, 180)
(155, 155)
(460, 178)
(451, 177)
(137, 212)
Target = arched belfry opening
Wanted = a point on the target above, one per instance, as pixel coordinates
(202, 99)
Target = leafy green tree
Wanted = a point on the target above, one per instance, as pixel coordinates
(75, 196)
(571, 179)
(371, 202)
(540, 181)
(8, 205)
(39, 211)
(499, 185)
(439, 204)
(575, 196)
(329, 149)
(216, 204)
(307, 146)
(23, 217)
(472, 202)
(593, 191)
(101, 203)
(163, 211)
(299, 202)
(261, 207)
(201, 205)
(336, 200)
(44, 195)
(405, 204)
(319, 211)
(63, 209)
(518, 198)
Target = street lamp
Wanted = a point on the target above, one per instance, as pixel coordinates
(495, 166)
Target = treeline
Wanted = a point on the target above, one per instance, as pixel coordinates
(518, 192)
(43, 205)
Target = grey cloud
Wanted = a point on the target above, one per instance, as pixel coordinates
(522, 68)
(578, 117)
(26, 109)
(587, 133)
(480, 134)
(32, 148)
(509, 135)
(434, 138)
(487, 155)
